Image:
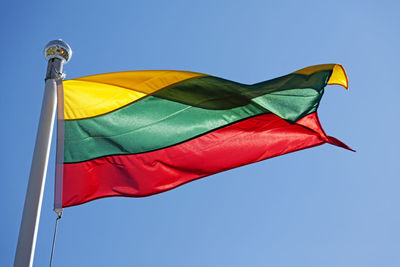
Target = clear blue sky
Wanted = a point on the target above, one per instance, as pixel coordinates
(320, 207)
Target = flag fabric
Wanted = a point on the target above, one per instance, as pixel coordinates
(141, 133)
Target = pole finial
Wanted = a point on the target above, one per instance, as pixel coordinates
(58, 49)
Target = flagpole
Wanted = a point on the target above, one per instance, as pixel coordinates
(57, 53)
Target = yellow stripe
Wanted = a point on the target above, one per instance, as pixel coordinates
(338, 75)
(95, 95)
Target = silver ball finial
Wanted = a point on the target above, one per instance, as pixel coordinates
(58, 49)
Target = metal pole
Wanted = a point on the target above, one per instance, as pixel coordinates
(57, 53)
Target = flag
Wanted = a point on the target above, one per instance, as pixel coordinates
(140, 133)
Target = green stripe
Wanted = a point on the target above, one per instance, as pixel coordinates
(215, 93)
(187, 110)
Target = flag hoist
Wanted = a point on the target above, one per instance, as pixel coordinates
(57, 53)
(140, 133)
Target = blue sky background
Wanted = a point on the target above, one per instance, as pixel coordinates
(320, 207)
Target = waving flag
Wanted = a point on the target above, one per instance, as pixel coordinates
(144, 132)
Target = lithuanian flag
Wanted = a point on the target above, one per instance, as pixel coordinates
(140, 133)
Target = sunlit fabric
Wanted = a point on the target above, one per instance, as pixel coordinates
(141, 133)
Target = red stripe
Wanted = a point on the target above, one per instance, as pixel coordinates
(145, 174)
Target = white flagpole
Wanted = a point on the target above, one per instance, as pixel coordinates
(57, 53)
